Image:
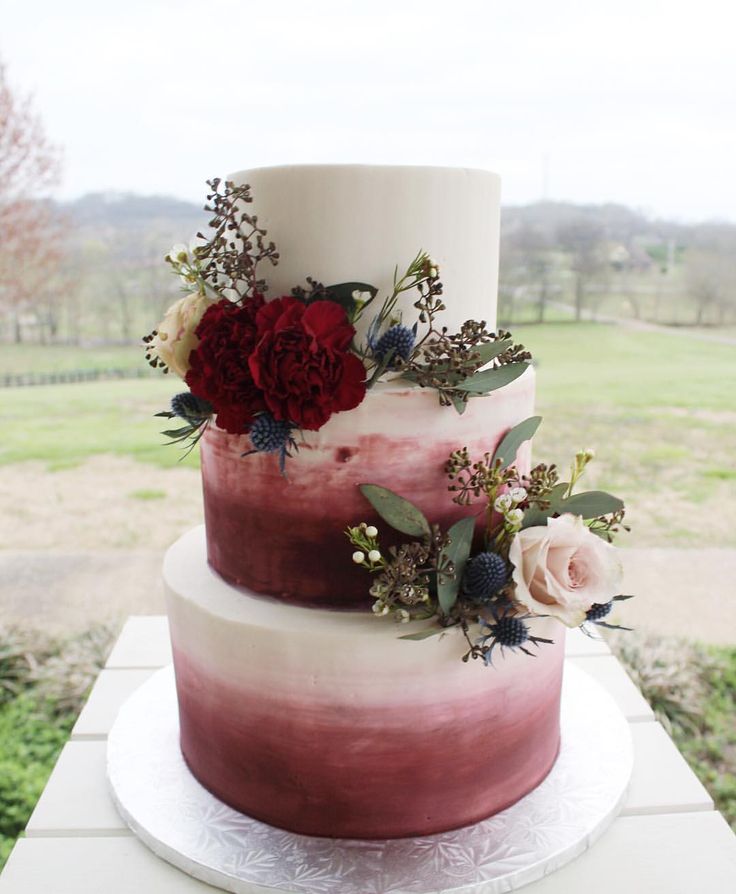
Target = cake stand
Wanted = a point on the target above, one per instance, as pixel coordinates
(184, 824)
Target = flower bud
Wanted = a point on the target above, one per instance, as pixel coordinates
(503, 503)
(515, 517)
(374, 556)
(358, 557)
(403, 616)
(518, 494)
(371, 531)
(380, 608)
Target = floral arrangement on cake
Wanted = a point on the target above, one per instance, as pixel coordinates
(269, 369)
(544, 551)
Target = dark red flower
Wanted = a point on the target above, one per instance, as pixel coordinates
(302, 362)
(218, 366)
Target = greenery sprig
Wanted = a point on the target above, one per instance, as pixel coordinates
(230, 257)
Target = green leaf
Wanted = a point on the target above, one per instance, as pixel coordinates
(423, 634)
(179, 432)
(490, 379)
(398, 512)
(457, 551)
(460, 405)
(342, 293)
(513, 439)
(535, 517)
(591, 504)
(491, 349)
(588, 504)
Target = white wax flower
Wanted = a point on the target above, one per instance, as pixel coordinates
(358, 557)
(518, 494)
(403, 616)
(374, 555)
(371, 531)
(514, 517)
(503, 503)
(380, 608)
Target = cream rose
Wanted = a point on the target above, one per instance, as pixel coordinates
(175, 339)
(562, 568)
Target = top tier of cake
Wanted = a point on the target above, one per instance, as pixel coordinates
(342, 223)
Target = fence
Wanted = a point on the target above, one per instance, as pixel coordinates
(65, 377)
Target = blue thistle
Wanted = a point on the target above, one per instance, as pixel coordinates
(507, 631)
(485, 574)
(510, 631)
(598, 611)
(269, 435)
(191, 408)
(398, 339)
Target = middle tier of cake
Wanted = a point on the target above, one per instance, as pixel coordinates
(327, 723)
(284, 534)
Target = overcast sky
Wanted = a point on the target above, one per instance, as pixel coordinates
(632, 102)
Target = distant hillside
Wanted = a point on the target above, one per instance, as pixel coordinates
(129, 210)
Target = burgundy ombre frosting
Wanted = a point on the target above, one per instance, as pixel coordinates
(326, 723)
(284, 535)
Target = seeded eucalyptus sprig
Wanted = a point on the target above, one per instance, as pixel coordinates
(470, 362)
(231, 256)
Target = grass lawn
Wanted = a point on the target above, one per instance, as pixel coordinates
(26, 358)
(658, 408)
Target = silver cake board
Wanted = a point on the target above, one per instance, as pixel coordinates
(183, 823)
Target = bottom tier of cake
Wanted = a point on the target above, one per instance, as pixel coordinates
(327, 723)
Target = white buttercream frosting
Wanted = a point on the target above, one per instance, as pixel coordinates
(340, 223)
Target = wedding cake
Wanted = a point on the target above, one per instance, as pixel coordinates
(327, 684)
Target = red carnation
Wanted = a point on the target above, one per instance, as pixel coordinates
(302, 362)
(218, 366)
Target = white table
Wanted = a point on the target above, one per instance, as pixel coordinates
(667, 840)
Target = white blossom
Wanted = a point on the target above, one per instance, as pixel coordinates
(371, 531)
(358, 557)
(503, 503)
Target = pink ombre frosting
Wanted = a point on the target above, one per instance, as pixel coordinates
(284, 535)
(326, 723)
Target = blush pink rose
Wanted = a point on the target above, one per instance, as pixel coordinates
(562, 568)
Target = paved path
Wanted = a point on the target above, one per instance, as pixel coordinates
(689, 593)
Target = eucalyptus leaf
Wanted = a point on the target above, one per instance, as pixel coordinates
(490, 379)
(423, 634)
(534, 517)
(398, 512)
(459, 403)
(491, 349)
(457, 552)
(513, 439)
(591, 504)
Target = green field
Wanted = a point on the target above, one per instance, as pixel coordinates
(658, 408)
(26, 358)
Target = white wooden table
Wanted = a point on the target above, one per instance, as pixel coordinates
(668, 839)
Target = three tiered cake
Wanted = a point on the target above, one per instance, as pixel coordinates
(298, 706)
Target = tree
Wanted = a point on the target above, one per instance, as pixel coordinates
(29, 226)
(711, 283)
(584, 240)
(526, 269)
